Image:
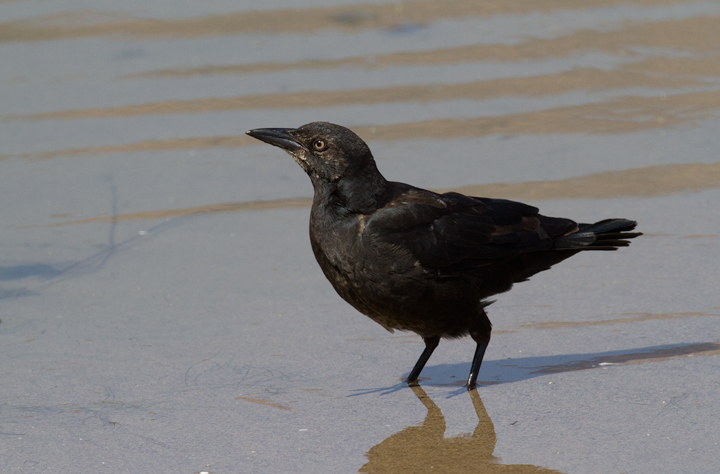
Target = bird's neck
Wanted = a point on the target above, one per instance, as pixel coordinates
(361, 194)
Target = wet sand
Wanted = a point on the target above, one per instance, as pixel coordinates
(161, 308)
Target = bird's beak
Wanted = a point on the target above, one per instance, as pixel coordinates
(280, 137)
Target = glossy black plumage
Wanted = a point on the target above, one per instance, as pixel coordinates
(415, 260)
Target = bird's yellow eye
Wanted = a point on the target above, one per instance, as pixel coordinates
(319, 145)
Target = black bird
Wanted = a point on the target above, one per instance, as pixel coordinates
(415, 260)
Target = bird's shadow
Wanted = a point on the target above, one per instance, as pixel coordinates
(496, 372)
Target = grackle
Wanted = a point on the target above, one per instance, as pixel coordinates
(415, 260)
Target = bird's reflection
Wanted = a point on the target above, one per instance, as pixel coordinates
(419, 449)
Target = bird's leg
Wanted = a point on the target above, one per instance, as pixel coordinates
(480, 332)
(476, 363)
(430, 344)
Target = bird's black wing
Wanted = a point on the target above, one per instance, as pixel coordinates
(453, 233)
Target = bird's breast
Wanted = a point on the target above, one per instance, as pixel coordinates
(337, 241)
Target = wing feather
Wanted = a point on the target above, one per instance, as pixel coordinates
(452, 232)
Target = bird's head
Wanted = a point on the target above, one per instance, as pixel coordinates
(327, 152)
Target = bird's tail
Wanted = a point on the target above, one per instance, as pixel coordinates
(604, 235)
